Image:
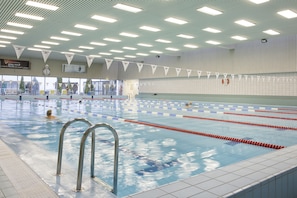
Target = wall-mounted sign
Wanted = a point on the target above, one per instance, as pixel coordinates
(14, 64)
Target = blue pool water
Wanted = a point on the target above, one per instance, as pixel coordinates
(151, 156)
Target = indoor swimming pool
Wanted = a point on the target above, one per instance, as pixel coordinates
(160, 141)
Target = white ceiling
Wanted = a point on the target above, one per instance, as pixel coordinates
(153, 14)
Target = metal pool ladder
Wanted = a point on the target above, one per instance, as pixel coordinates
(81, 153)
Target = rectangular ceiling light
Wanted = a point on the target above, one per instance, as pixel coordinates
(240, 38)
(105, 19)
(148, 28)
(86, 27)
(12, 31)
(28, 16)
(19, 25)
(130, 56)
(105, 53)
(59, 38)
(130, 48)
(42, 46)
(86, 47)
(212, 30)
(259, 1)
(127, 8)
(271, 32)
(117, 51)
(96, 56)
(289, 14)
(191, 46)
(176, 21)
(144, 45)
(71, 33)
(156, 52)
(34, 49)
(96, 43)
(41, 5)
(75, 50)
(163, 41)
(8, 37)
(172, 49)
(2, 45)
(185, 36)
(245, 23)
(112, 40)
(5, 42)
(50, 43)
(210, 11)
(213, 42)
(128, 34)
(141, 54)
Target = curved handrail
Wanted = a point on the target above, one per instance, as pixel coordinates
(61, 141)
(81, 156)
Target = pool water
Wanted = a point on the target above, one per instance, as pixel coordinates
(154, 150)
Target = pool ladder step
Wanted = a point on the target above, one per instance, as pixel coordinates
(90, 129)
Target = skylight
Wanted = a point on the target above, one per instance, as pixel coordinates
(244, 23)
(148, 28)
(289, 14)
(127, 8)
(105, 19)
(176, 21)
(41, 5)
(210, 11)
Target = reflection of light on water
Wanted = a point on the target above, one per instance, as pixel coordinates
(210, 164)
(169, 142)
(35, 128)
(37, 136)
(187, 166)
(208, 153)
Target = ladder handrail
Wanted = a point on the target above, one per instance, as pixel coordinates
(61, 141)
(81, 156)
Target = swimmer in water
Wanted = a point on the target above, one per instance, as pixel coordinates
(49, 115)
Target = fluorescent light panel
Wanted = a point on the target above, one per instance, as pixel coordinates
(105, 53)
(130, 56)
(97, 43)
(148, 28)
(289, 14)
(176, 21)
(105, 19)
(128, 34)
(245, 23)
(8, 37)
(185, 36)
(117, 51)
(41, 5)
(212, 30)
(240, 38)
(271, 32)
(141, 54)
(50, 43)
(34, 49)
(172, 49)
(119, 58)
(28, 16)
(156, 52)
(20, 25)
(112, 40)
(96, 56)
(163, 41)
(127, 8)
(59, 38)
(5, 42)
(130, 48)
(210, 11)
(86, 27)
(191, 46)
(11, 31)
(71, 33)
(42, 46)
(75, 50)
(259, 1)
(2, 45)
(144, 44)
(86, 47)
(213, 42)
